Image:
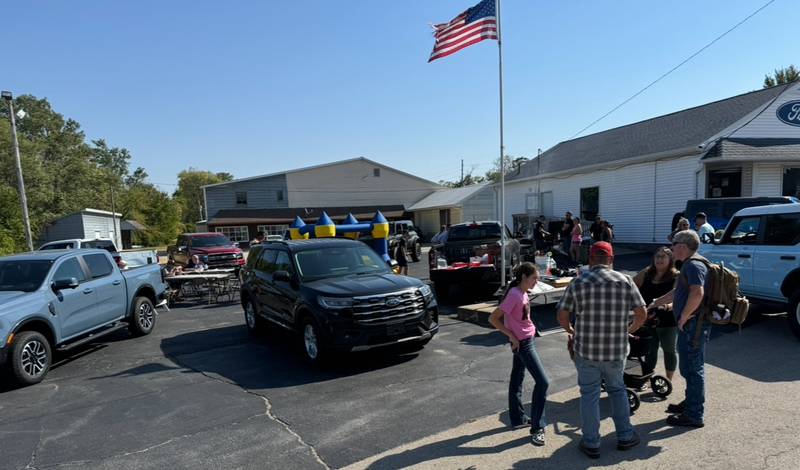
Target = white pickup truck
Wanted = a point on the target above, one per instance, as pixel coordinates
(762, 244)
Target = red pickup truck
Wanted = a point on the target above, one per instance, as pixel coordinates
(214, 249)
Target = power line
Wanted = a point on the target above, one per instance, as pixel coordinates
(673, 69)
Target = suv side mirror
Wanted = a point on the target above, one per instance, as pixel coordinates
(282, 276)
(68, 283)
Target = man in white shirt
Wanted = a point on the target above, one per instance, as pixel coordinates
(704, 230)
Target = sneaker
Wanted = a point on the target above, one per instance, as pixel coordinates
(629, 444)
(537, 437)
(591, 452)
(683, 420)
(676, 408)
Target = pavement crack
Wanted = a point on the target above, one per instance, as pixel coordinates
(32, 462)
(267, 412)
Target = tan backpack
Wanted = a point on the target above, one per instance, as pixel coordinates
(723, 302)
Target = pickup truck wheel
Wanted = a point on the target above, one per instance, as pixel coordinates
(794, 313)
(255, 324)
(416, 252)
(312, 342)
(31, 357)
(143, 318)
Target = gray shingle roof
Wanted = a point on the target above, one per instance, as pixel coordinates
(674, 131)
(447, 197)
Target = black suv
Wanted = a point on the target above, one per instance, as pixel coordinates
(338, 294)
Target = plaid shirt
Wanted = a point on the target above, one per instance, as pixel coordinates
(602, 301)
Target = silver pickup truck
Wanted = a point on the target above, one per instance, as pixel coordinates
(60, 299)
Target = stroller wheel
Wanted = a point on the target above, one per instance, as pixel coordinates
(633, 399)
(661, 386)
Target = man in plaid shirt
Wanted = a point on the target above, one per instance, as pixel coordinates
(601, 301)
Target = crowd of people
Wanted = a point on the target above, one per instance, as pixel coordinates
(600, 310)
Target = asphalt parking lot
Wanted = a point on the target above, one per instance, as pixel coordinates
(200, 393)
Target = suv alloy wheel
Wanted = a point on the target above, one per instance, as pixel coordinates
(416, 252)
(312, 341)
(31, 357)
(255, 324)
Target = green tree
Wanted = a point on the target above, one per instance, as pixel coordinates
(64, 174)
(468, 180)
(782, 76)
(190, 193)
(512, 165)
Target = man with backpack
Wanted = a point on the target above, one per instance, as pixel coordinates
(687, 299)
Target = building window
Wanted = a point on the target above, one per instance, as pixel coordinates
(531, 202)
(725, 183)
(791, 182)
(376, 172)
(241, 198)
(273, 229)
(590, 203)
(236, 234)
(280, 194)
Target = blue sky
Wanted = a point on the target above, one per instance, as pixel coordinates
(259, 87)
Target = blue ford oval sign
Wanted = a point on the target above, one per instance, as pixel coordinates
(790, 113)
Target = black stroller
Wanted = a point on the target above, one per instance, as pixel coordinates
(637, 374)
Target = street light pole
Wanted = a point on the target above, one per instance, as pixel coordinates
(22, 199)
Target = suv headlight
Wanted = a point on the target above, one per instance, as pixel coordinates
(238, 256)
(425, 290)
(335, 303)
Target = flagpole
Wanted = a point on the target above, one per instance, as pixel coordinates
(502, 158)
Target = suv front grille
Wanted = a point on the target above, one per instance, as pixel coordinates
(221, 259)
(386, 308)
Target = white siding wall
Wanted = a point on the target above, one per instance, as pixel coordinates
(676, 185)
(92, 224)
(354, 184)
(480, 206)
(767, 179)
(767, 124)
(628, 197)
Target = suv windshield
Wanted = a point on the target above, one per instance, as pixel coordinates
(339, 261)
(214, 240)
(25, 276)
(473, 232)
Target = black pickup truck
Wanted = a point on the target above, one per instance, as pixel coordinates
(469, 255)
(338, 294)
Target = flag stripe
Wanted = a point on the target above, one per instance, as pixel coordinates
(470, 27)
(444, 27)
(463, 33)
(459, 47)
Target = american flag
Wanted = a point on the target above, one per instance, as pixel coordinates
(471, 27)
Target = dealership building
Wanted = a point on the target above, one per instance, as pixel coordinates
(639, 175)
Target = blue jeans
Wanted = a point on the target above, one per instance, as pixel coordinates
(526, 358)
(590, 374)
(692, 367)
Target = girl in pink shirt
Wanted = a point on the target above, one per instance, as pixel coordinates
(515, 312)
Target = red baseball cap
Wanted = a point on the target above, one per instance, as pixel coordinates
(602, 249)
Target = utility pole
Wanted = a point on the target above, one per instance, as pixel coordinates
(114, 218)
(462, 171)
(22, 199)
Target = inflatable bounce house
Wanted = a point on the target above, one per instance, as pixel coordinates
(378, 229)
